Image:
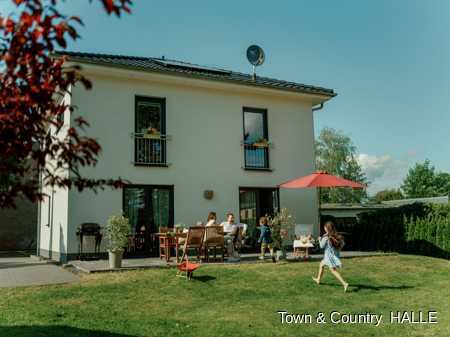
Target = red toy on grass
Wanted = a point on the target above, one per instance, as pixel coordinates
(188, 268)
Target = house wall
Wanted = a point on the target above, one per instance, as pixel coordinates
(206, 124)
(53, 215)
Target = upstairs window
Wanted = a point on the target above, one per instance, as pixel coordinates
(256, 139)
(150, 131)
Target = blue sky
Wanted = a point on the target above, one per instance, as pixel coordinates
(387, 60)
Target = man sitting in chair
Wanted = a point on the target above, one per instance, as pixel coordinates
(230, 231)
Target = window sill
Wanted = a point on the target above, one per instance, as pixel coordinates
(151, 165)
(263, 169)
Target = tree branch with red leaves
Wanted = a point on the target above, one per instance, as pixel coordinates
(31, 80)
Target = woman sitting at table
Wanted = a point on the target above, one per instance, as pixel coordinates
(211, 220)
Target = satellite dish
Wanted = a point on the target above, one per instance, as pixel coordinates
(255, 55)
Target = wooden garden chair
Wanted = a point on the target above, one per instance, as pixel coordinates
(194, 240)
(239, 239)
(214, 241)
(166, 243)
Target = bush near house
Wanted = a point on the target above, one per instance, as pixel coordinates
(412, 229)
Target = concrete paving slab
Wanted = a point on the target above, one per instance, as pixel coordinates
(25, 271)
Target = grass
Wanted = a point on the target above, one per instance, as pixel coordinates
(232, 300)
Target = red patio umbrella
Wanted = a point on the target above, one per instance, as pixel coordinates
(320, 179)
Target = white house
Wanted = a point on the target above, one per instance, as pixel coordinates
(190, 140)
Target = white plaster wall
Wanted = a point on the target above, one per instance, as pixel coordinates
(45, 218)
(53, 222)
(205, 121)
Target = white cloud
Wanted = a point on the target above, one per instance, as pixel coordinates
(384, 171)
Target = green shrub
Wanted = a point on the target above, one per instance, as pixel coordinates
(416, 229)
(117, 230)
(430, 235)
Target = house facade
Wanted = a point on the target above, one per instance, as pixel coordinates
(189, 140)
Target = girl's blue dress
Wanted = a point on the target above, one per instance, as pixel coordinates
(331, 256)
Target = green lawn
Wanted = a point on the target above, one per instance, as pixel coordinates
(232, 300)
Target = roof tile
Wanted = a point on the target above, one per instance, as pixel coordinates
(189, 69)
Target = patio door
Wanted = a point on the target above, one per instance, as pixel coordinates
(254, 203)
(148, 207)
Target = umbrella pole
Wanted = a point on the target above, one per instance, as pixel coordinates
(318, 209)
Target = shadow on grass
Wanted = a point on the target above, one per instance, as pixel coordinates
(204, 278)
(355, 287)
(54, 331)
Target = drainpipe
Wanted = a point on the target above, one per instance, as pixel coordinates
(317, 107)
(39, 221)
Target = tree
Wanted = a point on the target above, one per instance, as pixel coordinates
(30, 82)
(388, 194)
(336, 154)
(422, 181)
(442, 183)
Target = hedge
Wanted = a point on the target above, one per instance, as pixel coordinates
(415, 229)
(429, 235)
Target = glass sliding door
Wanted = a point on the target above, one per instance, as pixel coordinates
(134, 207)
(247, 210)
(148, 208)
(254, 203)
(161, 208)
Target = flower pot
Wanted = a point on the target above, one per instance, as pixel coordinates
(115, 258)
(152, 136)
(280, 255)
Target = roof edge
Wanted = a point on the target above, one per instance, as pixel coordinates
(246, 79)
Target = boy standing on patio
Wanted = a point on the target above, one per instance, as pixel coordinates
(265, 238)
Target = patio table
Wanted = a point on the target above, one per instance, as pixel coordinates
(298, 245)
(167, 241)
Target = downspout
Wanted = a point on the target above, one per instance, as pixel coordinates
(50, 244)
(317, 107)
(39, 218)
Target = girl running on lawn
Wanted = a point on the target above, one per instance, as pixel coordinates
(332, 243)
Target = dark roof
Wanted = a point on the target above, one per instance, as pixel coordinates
(160, 65)
(337, 206)
(430, 200)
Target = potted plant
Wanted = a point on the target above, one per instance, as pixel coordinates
(179, 227)
(117, 230)
(152, 133)
(261, 142)
(282, 228)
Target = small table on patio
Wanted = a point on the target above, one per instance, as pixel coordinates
(168, 241)
(300, 246)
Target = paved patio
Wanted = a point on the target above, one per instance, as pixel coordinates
(154, 262)
(27, 271)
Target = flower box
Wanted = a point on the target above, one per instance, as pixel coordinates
(261, 145)
(152, 136)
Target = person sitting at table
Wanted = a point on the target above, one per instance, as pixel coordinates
(229, 230)
(229, 226)
(211, 220)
